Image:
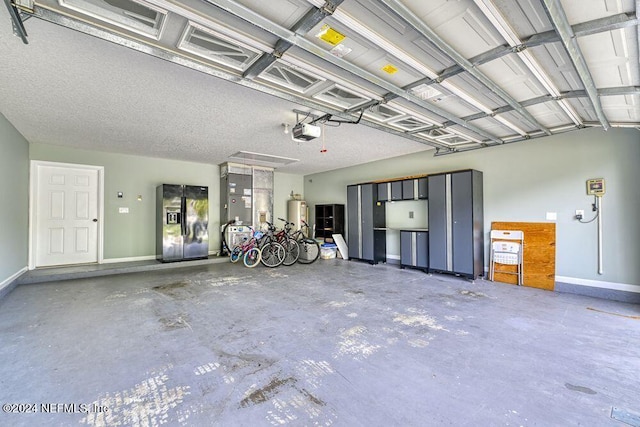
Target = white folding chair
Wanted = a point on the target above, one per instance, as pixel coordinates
(507, 249)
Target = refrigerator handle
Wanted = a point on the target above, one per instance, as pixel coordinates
(183, 211)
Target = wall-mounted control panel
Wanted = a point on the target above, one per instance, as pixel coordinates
(595, 187)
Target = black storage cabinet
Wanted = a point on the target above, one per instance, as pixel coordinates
(456, 223)
(365, 224)
(329, 220)
(414, 249)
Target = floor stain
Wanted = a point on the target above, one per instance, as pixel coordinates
(579, 388)
(313, 399)
(174, 290)
(472, 294)
(265, 393)
(178, 322)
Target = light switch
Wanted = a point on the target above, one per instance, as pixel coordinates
(552, 216)
(123, 210)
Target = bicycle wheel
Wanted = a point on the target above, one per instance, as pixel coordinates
(292, 252)
(273, 254)
(236, 253)
(309, 251)
(252, 257)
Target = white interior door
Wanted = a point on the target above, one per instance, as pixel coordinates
(66, 214)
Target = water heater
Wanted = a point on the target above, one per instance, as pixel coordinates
(297, 212)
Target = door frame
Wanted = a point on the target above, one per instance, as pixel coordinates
(33, 191)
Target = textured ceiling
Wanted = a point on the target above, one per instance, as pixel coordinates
(464, 75)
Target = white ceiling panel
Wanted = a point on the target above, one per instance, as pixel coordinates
(622, 108)
(283, 12)
(512, 76)
(609, 58)
(584, 11)
(549, 114)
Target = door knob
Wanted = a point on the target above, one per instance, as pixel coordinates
(95, 219)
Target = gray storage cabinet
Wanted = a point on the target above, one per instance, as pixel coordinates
(414, 249)
(456, 224)
(366, 221)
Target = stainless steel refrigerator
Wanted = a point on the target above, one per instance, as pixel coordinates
(181, 223)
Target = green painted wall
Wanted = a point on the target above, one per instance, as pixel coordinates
(525, 180)
(14, 193)
(133, 234)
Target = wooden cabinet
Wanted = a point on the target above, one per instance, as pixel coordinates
(365, 224)
(329, 220)
(456, 227)
(414, 249)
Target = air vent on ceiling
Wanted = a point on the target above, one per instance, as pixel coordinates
(217, 47)
(257, 159)
(137, 16)
(428, 93)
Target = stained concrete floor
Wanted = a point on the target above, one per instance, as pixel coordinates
(335, 343)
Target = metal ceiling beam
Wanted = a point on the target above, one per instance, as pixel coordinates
(301, 27)
(609, 23)
(173, 57)
(561, 23)
(622, 20)
(254, 18)
(16, 21)
(609, 91)
(408, 16)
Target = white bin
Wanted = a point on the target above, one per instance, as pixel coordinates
(328, 250)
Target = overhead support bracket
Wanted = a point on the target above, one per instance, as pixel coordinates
(17, 21)
(561, 23)
(301, 27)
(408, 16)
(609, 23)
(329, 118)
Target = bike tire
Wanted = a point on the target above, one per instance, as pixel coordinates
(292, 252)
(252, 257)
(236, 254)
(273, 254)
(309, 251)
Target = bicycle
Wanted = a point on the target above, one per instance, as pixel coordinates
(273, 253)
(248, 250)
(291, 246)
(309, 248)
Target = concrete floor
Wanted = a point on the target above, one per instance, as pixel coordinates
(334, 343)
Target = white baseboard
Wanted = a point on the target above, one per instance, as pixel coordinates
(10, 279)
(130, 259)
(599, 284)
(393, 257)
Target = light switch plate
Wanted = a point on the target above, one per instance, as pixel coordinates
(552, 216)
(123, 210)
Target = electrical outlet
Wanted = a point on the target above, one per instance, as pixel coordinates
(579, 214)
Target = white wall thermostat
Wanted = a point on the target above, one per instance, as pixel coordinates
(595, 187)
